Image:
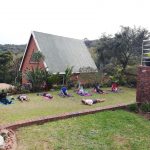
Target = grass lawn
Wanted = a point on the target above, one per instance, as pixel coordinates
(38, 106)
(109, 130)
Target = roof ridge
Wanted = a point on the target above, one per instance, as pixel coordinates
(56, 35)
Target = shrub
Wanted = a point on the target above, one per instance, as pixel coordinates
(57, 87)
(115, 74)
(145, 107)
(53, 79)
(89, 79)
(105, 81)
(133, 108)
(37, 77)
(67, 75)
(19, 89)
(131, 75)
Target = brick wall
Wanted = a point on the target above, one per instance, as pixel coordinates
(27, 64)
(143, 84)
(45, 119)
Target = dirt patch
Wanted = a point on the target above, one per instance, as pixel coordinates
(5, 86)
(120, 140)
(145, 115)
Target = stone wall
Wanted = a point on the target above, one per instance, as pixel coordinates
(143, 84)
(45, 119)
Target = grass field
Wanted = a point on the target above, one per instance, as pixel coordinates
(38, 106)
(109, 130)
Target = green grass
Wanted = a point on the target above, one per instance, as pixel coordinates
(38, 106)
(109, 130)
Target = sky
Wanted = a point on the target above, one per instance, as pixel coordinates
(70, 18)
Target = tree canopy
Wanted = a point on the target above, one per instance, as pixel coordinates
(6, 59)
(124, 47)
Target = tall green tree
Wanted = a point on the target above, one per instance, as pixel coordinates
(104, 50)
(16, 74)
(6, 59)
(37, 76)
(127, 44)
(37, 57)
(67, 75)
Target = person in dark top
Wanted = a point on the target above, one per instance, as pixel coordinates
(97, 89)
(64, 91)
(3, 98)
(3, 94)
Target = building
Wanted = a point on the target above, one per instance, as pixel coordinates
(60, 53)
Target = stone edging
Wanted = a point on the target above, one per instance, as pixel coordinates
(10, 141)
(42, 120)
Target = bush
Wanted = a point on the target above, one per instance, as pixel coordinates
(37, 77)
(145, 107)
(88, 85)
(105, 82)
(131, 75)
(19, 89)
(133, 108)
(53, 79)
(89, 79)
(131, 81)
(57, 87)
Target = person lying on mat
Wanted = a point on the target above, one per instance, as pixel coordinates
(45, 94)
(23, 97)
(3, 98)
(91, 101)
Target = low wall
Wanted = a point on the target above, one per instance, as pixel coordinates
(42, 120)
(143, 84)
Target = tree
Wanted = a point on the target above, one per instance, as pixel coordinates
(68, 73)
(127, 44)
(37, 76)
(104, 50)
(37, 57)
(6, 59)
(16, 74)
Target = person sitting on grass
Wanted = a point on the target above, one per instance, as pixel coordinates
(64, 92)
(23, 97)
(91, 101)
(82, 92)
(3, 98)
(114, 87)
(97, 89)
